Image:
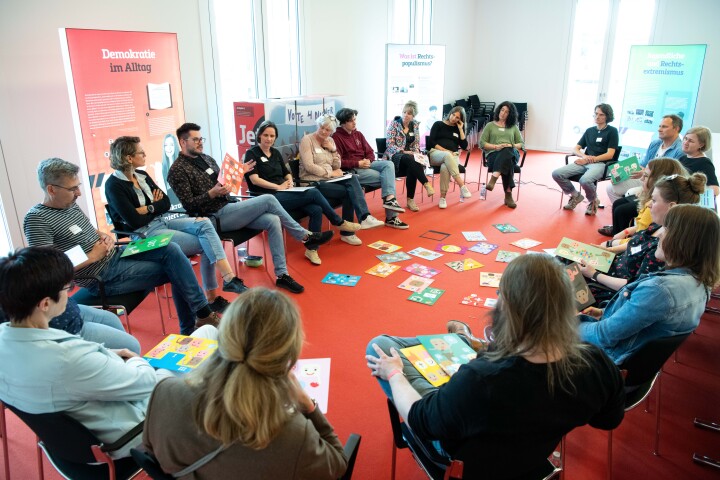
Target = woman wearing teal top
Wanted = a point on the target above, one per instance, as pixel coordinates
(501, 139)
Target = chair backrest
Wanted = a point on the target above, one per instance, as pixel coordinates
(642, 365)
(381, 144)
(149, 464)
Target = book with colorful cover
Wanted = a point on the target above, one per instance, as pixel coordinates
(427, 297)
(506, 228)
(341, 279)
(421, 270)
(313, 374)
(463, 265)
(526, 243)
(448, 350)
(393, 257)
(506, 256)
(445, 247)
(425, 253)
(415, 284)
(581, 292)
(623, 169)
(583, 253)
(384, 246)
(145, 244)
(382, 269)
(181, 353)
(231, 174)
(424, 363)
(472, 300)
(483, 247)
(474, 236)
(490, 279)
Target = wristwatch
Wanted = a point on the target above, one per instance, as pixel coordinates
(151, 209)
(595, 275)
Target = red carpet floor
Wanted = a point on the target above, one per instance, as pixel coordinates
(339, 321)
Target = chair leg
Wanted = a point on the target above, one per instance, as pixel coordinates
(162, 317)
(658, 390)
(394, 458)
(3, 433)
(41, 471)
(609, 459)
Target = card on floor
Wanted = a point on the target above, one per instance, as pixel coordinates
(472, 300)
(393, 257)
(382, 269)
(471, 264)
(526, 243)
(421, 270)
(506, 227)
(425, 253)
(446, 247)
(483, 247)
(342, 279)
(489, 279)
(474, 236)
(415, 284)
(506, 257)
(427, 297)
(384, 246)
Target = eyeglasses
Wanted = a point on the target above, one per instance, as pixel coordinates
(75, 189)
(68, 287)
(198, 139)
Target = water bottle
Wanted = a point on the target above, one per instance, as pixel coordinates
(242, 252)
(483, 191)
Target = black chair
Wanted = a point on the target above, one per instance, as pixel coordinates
(704, 459)
(74, 451)
(517, 169)
(150, 465)
(439, 467)
(3, 435)
(461, 167)
(608, 164)
(642, 371)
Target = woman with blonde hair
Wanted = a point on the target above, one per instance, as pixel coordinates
(244, 405)
(445, 139)
(695, 143)
(504, 412)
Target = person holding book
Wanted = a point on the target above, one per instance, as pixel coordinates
(504, 412)
(446, 139)
(138, 205)
(244, 405)
(269, 174)
(667, 303)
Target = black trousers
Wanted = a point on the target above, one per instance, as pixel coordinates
(406, 166)
(504, 161)
(624, 210)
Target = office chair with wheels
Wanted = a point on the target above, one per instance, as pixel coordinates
(606, 176)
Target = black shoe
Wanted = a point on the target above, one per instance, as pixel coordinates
(286, 281)
(396, 223)
(315, 239)
(212, 319)
(219, 304)
(393, 205)
(607, 231)
(234, 286)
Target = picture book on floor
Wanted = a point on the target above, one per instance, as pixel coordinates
(384, 246)
(393, 257)
(526, 243)
(341, 279)
(464, 265)
(181, 353)
(623, 169)
(425, 253)
(427, 297)
(145, 244)
(448, 350)
(421, 270)
(581, 292)
(472, 300)
(483, 247)
(445, 247)
(314, 377)
(506, 256)
(489, 279)
(583, 253)
(474, 236)
(415, 284)
(506, 228)
(424, 363)
(383, 269)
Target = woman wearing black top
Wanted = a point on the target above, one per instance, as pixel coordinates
(446, 138)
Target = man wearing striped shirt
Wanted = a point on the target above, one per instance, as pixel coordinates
(58, 221)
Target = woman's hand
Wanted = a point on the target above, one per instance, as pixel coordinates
(620, 235)
(382, 365)
(157, 195)
(124, 353)
(287, 184)
(593, 312)
(305, 403)
(587, 270)
(336, 173)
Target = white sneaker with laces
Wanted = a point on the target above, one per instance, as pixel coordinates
(371, 222)
(351, 240)
(442, 203)
(465, 192)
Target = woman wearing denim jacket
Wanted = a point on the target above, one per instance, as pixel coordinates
(668, 303)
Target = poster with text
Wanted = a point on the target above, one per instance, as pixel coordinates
(415, 72)
(661, 80)
(124, 83)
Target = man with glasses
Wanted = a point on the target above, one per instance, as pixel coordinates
(59, 222)
(194, 178)
(597, 146)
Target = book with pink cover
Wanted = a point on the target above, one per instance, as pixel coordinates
(415, 284)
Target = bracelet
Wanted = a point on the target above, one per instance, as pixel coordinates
(595, 276)
(626, 231)
(395, 372)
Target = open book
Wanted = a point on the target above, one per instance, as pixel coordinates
(438, 357)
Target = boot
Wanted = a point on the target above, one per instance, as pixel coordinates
(509, 200)
(491, 183)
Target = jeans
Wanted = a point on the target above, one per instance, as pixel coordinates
(380, 174)
(101, 326)
(412, 171)
(591, 173)
(449, 167)
(147, 270)
(263, 213)
(352, 196)
(313, 204)
(194, 236)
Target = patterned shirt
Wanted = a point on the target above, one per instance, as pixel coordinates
(191, 179)
(639, 257)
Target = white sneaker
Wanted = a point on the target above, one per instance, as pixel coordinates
(465, 192)
(442, 203)
(351, 239)
(371, 222)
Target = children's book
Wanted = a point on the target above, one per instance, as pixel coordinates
(181, 353)
(623, 169)
(425, 253)
(583, 253)
(314, 377)
(384, 246)
(427, 297)
(448, 351)
(506, 228)
(506, 256)
(415, 284)
(457, 265)
(483, 247)
(145, 244)
(489, 279)
(424, 363)
(341, 279)
(526, 243)
(581, 293)
(444, 247)
(472, 300)
(474, 236)
(383, 269)
(490, 302)
(393, 257)
(421, 270)
(463, 265)
(231, 174)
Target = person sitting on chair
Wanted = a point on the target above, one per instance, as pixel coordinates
(599, 143)
(667, 303)
(694, 145)
(446, 139)
(501, 139)
(244, 403)
(504, 412)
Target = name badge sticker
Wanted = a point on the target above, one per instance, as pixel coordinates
(455, 135)
(209, 171)
(501, 129)
(411, 134)
(263, 159)
(599, 139)
(74, 229)
(318, 150)
(635, 250)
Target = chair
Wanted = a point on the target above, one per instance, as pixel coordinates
(150, 464)
(704, 459)
(608, 164)
(642, 370)
(3, 435)
(461, 167)
(437, 466)
(517, 169)
(75, 451)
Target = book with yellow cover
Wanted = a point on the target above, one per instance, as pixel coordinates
(424, 363)
(181, 353)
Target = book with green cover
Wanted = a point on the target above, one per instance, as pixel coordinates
(448, 350)
(622, 170)
(583, 253)
(145, 244)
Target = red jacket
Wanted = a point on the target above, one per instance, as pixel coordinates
(352, 148)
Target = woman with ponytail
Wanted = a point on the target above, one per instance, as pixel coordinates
(244, 404)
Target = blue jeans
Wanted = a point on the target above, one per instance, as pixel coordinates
(101, 326)
(380, 174)
(263, 213)
(147, 270)
(194, 236)
(313, 204)
(591, 173)
(351, 194)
